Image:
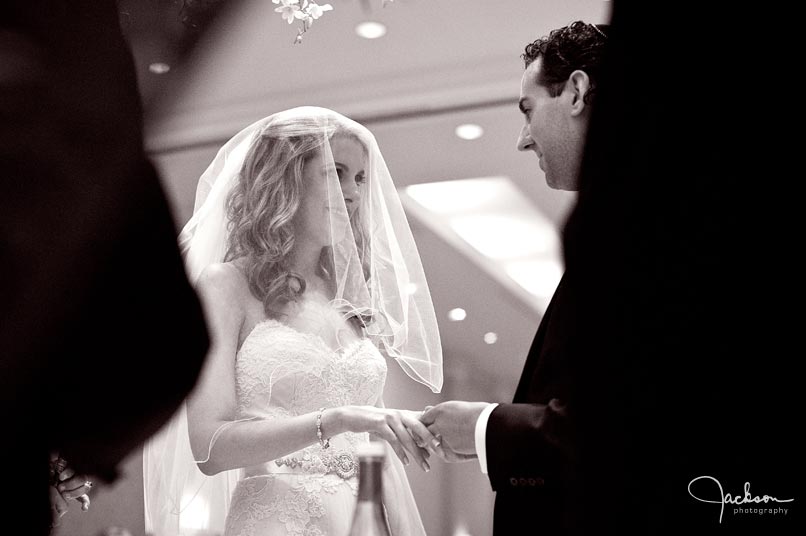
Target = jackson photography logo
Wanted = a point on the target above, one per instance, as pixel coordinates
(740, 504)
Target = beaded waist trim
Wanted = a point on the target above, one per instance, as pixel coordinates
(342, 463)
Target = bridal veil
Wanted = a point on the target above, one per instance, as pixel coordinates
(377, 280)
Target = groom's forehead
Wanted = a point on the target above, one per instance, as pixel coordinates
(533, 72)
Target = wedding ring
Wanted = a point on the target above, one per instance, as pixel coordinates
(88, 483)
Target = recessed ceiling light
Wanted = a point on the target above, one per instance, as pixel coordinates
(457, 315)
(469, 131)
(490, 337)
(159, 67)
(411, 288)
(370, 30)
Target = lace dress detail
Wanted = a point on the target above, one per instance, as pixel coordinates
(281, 372)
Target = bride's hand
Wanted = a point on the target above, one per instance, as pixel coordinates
(402, 429)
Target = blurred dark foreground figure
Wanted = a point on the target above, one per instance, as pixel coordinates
(684, 378)
(101, 335)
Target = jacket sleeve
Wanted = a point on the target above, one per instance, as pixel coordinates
(527, 445)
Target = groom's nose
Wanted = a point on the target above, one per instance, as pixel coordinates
(525, 141)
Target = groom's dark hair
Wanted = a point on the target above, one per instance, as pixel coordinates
(578, 46)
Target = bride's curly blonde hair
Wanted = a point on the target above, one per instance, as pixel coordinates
(262, 205)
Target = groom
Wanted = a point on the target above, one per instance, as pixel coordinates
(524, 447)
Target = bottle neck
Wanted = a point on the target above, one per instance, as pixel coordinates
(369, 480)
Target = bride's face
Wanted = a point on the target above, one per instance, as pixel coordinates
(317, 211)
(326, 208)
(350, 160)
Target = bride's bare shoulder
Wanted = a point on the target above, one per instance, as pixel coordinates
(224, 280)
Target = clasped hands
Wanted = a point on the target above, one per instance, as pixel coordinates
(67, 485)
(453, 425)
(446, 429)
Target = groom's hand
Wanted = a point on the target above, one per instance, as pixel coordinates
(455, 423)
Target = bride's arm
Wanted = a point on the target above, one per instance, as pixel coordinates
(218, 441)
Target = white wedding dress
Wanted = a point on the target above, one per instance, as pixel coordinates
(282, 372)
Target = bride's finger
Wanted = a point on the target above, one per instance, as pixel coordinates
(390, 437)
(73, 483)
(407, 441)
(419, 441)
(75, 493)
(422, 431)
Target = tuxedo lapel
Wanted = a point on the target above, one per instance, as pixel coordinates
(537, 350)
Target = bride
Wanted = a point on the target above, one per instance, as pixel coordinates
(310, 277)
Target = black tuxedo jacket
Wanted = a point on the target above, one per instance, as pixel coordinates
(528, 442)
(101, 335)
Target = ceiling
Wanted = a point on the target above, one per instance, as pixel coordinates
(441, 63)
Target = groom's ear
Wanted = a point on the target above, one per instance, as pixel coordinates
(577, 86)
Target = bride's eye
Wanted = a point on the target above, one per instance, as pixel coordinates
(360, 178)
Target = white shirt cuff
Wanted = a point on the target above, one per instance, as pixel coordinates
(481, 436)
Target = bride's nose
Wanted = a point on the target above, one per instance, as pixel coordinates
(350, 191)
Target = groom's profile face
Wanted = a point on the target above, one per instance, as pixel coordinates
(549, 129)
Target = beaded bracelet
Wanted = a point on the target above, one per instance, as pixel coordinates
(322, 441)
